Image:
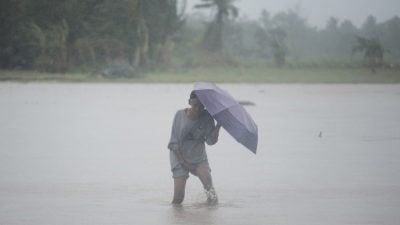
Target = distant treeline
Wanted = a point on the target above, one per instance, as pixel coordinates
(65, 35)
(56, 35)
(288, 35)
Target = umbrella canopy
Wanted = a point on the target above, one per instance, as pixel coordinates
(229, 113)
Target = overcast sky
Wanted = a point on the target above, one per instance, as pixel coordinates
(317, 12)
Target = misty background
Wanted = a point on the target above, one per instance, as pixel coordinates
(317, 12)
(124, 37)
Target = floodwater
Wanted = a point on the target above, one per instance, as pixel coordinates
(96, 154)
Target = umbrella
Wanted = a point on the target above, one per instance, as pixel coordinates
(229, 113)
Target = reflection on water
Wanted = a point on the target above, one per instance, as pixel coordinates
(96, 154)
(196, 214)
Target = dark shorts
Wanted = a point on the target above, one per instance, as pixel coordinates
(179, 171)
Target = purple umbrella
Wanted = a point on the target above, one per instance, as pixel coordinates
(229, 113)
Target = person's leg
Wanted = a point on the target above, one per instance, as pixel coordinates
(179, 190)
(204, 174)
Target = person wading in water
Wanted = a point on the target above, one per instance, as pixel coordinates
(191, 129)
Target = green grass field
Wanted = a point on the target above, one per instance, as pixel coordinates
(244, 74)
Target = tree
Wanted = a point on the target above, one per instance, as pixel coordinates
(300, 37)
(35, 35)
(332, 24)
(213, 40)
(372, 49)
(163, 19)
(11, 18)
(370, 27)
(271, 37)
(261, 36)
(348, 27)
(390, 36)
(277, 38)
(346, 38)
(54, 35)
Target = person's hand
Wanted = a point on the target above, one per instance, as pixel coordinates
(185, 165)
(216, 130)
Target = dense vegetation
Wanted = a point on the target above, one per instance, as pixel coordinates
(121, 37)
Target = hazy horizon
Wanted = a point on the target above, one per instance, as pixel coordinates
(317, 12)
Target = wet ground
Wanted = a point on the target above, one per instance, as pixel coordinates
(96, 154)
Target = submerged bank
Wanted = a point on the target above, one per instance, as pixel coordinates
(249, 74)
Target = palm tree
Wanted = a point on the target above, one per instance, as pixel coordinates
(213, 40)
(373, 51)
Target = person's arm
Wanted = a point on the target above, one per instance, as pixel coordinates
(212, 138)
(173, 144)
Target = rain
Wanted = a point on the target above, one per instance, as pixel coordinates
(90, 92)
